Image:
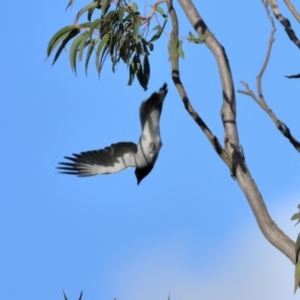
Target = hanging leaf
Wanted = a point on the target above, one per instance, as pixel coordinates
(161, 11)
(93, 27)
(133, 8)
(64, 42)
(90, 6)
(74, 50)
(135, 26)
(58, 36)
(197, 39)
(297, 277)
(146, 72)
(84, 42)
(70, 4)
(121, 13)
(99, 49)
(65, 296)
(91, 11)
(105, 6)
(297, 247)
(117, 32)
(88, 54)
(296, 216)
(131, 72)
(160, 30)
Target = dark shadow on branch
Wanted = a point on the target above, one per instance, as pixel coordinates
(285, 23)
(174, 58)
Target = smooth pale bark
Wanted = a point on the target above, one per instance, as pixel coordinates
(232, 147)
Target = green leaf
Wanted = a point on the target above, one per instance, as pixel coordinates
(88, 54)
(90, 6)
(133, 7)
(93, 27)
(146, 72)
(160, 30)
(103, 57)
(121, 13)
(145, 47)
(105, 6)
(161, 11)
(99, 49)
(70, 4)
(151, 46)
(74, 50)
(64, 42)
(57, 37)
(107, 22)
(204, 36)
(179, 49)
(296, 216)
(197, 39)
(65, 296)
(91, 11)
(297, 276)
(112, 52)
(139, 71)
(131, 72)
(83, 44)
(297, 247)
(135, 27)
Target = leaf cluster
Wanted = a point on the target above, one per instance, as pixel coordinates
(118, 33)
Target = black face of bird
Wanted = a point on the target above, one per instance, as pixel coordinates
(141, 173)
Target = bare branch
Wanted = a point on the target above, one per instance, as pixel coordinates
(292, 9)
(174, 58)
(271, 231)
(228, 111)
(285, 22)
(260, 100)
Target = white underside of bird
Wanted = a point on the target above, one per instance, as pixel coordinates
(120, 156)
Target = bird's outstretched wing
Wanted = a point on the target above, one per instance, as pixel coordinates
(104, 161)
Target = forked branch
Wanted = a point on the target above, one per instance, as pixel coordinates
(174, 58)
(260, 99)
(268, 227)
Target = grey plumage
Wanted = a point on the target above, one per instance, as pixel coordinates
(123, 155)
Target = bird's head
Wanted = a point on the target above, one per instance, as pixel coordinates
(141, 173)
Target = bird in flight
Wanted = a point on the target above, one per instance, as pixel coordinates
(120, 156)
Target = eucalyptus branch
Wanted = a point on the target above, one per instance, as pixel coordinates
(174, 58)
(292, 9)
(285, 23)
(260, 99)
(268, 227)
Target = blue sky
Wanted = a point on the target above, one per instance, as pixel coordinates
(187, 230)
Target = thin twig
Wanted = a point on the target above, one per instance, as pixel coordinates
(260, 100)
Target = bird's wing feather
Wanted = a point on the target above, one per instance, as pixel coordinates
(104, 161)
(155, 101)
